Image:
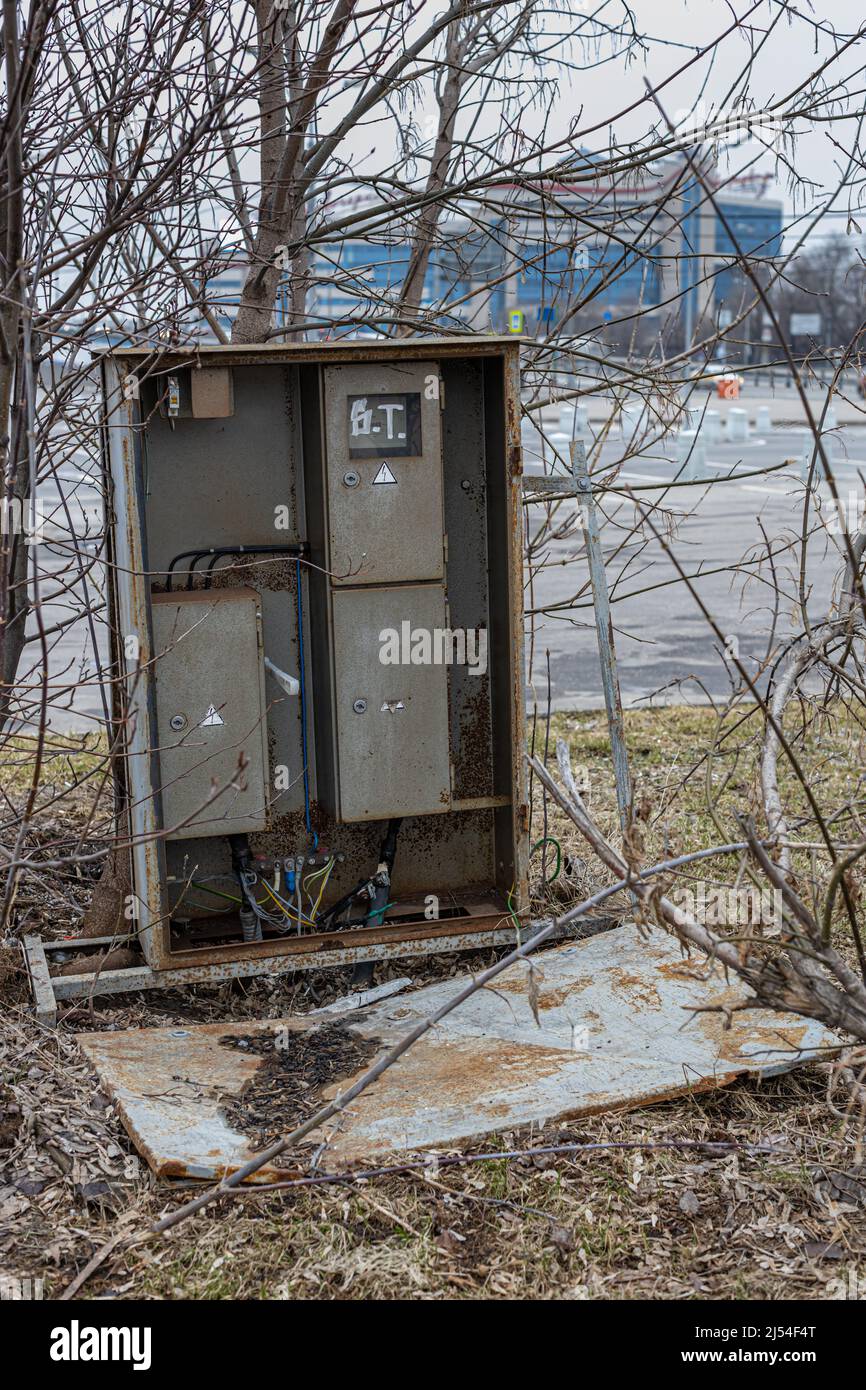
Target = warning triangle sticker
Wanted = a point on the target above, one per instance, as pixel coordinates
(384, 475)
(210, 718)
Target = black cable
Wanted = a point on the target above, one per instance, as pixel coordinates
(184, 555)
(220, 550)
(343, 903)
(362, 975)
(387, 854)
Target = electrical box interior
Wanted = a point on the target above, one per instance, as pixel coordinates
(318, 554)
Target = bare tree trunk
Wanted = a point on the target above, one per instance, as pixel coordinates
(13, 552)
(422, 244)
(284, 186)
(300, 264)
(14, 605)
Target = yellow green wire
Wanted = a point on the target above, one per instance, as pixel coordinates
(326, 870)
(300, 920)
(322, 889)
(549, 840)
(229, 897)
(215, 891)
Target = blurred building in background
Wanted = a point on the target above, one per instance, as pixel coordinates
(636, 260)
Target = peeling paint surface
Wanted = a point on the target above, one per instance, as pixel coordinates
(616, 1028)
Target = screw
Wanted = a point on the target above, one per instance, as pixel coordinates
(178, 721)
(359, 706)
(351, 479)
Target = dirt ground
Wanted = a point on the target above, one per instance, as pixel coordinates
(643, 1221)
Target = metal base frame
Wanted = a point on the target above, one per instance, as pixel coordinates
(49, 990)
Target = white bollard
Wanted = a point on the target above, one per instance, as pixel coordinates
(738, 426)
(573, 420)
(691, 456)
(763, 423)
(631, 418)
(561, 445)
(712, 429)
(531, 442)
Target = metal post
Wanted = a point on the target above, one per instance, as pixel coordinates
(604, 629)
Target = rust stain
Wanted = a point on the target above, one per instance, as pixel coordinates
(687, 970)
(453, 1086)
(457, 1072)
(738, 1039)
(549, 997)
(635, 986)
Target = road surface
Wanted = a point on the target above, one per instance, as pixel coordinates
(665, 649)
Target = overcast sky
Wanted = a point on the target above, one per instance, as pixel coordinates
(604, 84)
(792, 52)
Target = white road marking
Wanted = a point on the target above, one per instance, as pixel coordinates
(765, 491)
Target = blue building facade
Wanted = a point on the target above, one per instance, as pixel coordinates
(654, 252)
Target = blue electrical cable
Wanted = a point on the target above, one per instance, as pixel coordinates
(303, 685)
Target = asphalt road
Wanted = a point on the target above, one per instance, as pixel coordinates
(665, 649)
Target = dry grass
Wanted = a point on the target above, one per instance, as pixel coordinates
(694, 775)
(616, 1224)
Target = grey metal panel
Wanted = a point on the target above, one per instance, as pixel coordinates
(383, 532)
(211, 393)
(132, 621)
(209, 673)
(514, 825)
(393, 755)
(468, 580)
(603, 1024)
(218, 482)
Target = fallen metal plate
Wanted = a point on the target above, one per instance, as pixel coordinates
(616, 1029)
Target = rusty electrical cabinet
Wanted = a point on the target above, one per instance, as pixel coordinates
(317, 615)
